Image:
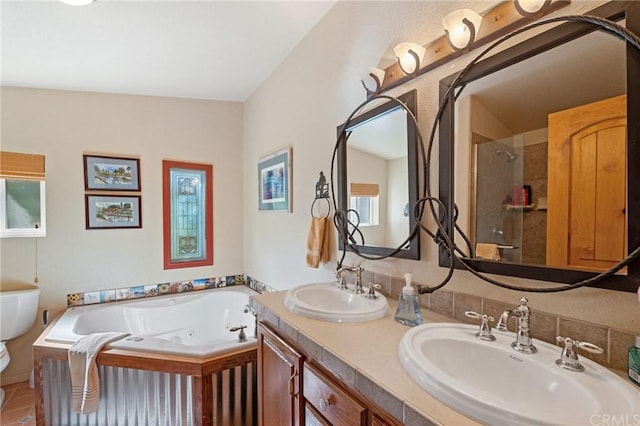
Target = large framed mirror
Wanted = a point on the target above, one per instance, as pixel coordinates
(539, 152)
(378, 179)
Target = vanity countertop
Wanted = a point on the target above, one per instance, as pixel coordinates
(371, 350)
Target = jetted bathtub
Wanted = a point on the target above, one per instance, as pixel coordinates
(187, 366)
(197, 323)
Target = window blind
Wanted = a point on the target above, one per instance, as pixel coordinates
(364, 189)
(15, 165)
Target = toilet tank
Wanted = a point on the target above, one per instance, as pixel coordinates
(18, 311)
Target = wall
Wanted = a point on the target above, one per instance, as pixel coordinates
(64, 125)
(371, 169)
(397, 198)
(314, 90)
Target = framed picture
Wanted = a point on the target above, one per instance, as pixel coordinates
(274, 181)
(111, 173)
(111, 211)
(187, 210)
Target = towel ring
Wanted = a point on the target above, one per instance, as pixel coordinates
(328, 207)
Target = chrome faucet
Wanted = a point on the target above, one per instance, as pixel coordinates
(485, 329)
(358, 271)
(523, 341)
(569, 358)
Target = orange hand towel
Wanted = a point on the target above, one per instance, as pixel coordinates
(487, 251)
(318, 242)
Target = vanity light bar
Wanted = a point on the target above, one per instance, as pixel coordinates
(497, 22)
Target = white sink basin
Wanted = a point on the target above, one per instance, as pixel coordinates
(494, 384)
(324, 301)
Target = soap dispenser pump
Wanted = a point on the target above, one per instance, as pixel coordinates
(408, 311)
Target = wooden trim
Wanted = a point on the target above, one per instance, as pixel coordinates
(39, 385)
(203, 400)
(167, 165)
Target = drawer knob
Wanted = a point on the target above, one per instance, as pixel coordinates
(324, 403)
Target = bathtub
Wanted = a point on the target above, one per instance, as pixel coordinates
(191, 324)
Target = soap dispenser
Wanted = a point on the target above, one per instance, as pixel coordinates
(408, 311)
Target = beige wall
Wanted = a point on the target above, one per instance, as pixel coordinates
(314, 90)
(64, 125)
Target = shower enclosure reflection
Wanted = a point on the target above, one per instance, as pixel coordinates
(510, 195)
(528, 182)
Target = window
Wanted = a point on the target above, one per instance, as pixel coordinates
(364, 200)
(22, 195)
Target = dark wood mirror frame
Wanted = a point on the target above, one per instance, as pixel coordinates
(615, 11)
(413, 252)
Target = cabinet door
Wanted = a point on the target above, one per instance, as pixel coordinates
(279, 380)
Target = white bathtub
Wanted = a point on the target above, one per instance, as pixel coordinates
(195, 323)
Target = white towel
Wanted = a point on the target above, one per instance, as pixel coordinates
(85, 383)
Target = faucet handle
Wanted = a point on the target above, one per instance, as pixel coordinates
(569, 357)
(485, 330)
(372, 290)
(242, 336)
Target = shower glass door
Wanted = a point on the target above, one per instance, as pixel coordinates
(499, 198)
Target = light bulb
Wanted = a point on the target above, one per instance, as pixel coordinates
(461, 27)
(409, 56)
(530, 6)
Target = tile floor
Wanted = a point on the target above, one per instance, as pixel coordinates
(18, 408)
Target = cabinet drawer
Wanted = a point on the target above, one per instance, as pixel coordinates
(333, 403)
(312, 417)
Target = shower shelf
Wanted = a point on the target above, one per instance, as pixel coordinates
(519, 207)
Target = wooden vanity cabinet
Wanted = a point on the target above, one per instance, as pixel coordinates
(295, 390)
(279, 381)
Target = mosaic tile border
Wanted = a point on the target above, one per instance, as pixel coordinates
(152, 290)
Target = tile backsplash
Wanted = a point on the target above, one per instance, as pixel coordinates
(544, 326)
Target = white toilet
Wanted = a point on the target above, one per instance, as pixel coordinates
(18, 311)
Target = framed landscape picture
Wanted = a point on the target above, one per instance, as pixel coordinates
(111, 173)
(274, 181)
(110, 211)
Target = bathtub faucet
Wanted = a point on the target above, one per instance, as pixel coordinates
(242, 337)
(249, 309)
